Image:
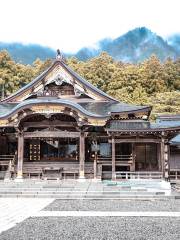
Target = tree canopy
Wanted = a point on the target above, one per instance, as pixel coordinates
(148, 83)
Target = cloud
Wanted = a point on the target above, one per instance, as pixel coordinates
(70, 24)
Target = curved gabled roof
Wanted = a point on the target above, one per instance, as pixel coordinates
(29, 85)
(70, 71)
(87, 84)
(140, 126)
(175, 140)
(61, 102)
(96, 109)
(103, 105)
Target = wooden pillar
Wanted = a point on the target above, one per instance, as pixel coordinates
(58, 148)
(159, 156)
(165, 158)
(95, 166)
(166, 161)
(81, 155)
(99, 172)
(113, 159)
(162, 156)
(20, 157)
(132, 167)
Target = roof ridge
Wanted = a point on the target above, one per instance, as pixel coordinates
(62, 63)
(35, 80)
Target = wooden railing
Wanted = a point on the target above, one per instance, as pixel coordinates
(174, 174)
(117, 157)
(9, 162)
(139, 175)
(5, 159)
(68, 169)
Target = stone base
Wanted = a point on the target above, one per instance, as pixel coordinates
(7, 180)
(81, 179)
(96, 180)
(19, 179)
(113, 179)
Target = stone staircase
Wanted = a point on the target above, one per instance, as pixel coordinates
(73, 189)
(176, 186)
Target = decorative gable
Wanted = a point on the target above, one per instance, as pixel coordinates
(58, 81)
(61, 89)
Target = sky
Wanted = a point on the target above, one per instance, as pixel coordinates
(72, 24)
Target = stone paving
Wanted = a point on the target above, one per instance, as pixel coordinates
(13, 211)
(169, 205)
(104, 214)
(48, 218)
(42, 219)
(95, 228)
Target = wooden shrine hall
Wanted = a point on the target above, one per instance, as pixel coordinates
(60, 126)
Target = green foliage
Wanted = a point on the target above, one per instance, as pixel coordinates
(167, 102)
(98, 70)
(149, 83)
(15, 75)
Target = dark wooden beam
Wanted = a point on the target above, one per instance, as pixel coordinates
(170, 130)
(136, 140)
(47, 123)
(51, 134)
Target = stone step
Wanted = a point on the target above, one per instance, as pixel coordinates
(59, 192)
(81, 190)
(74, 197)
(86, 192)
(62, 190)
(79, 183)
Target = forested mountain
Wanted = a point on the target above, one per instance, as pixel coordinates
(27, 54)
(174, 41)
(133, 47)
(149, 83)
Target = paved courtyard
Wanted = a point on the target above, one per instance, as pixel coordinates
(115, 205)
(42, 219)
(13, 211)
(56, 228)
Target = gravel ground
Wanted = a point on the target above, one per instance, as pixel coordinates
(95, 228)
(114, 205)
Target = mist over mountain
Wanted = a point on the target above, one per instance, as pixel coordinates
(27, 54)
(174, 41)
(134, 46)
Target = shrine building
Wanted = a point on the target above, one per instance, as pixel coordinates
(61, 126)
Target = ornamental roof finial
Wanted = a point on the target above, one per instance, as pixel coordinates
(59, 56)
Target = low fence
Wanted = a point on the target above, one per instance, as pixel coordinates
(5, 159)
(117, 158)
(6, 166)
(174, 174)
(139, 175)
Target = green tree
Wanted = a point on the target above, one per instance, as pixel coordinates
(152, 75)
